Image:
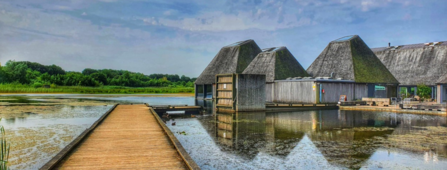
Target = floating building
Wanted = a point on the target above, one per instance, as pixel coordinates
(231, 59)
(276, 63)
(347, 66)
(417, 64)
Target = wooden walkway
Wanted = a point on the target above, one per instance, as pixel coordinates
(130, 137)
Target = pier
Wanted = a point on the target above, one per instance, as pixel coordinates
(128, 136)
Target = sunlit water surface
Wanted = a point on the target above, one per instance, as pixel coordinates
(37, 133)
(326, 139)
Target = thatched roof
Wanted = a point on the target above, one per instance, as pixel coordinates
(349, 58)
(276, 63)
(442, 80)
(416, 63)
(233, 58)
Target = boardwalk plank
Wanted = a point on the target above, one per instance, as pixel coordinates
(129, 138)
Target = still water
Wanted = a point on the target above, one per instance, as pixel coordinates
(39, 126)
(319, 139)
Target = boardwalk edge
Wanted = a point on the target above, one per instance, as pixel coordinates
(182, 152)
(64, 152)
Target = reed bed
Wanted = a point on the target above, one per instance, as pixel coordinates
(4, 144)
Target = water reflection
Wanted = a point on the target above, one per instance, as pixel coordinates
(342, 139)
(37, 133)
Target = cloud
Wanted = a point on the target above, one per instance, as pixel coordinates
(219, 21)
(142, 36)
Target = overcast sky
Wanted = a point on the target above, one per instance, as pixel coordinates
(182, 36)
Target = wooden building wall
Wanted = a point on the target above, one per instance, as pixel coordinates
(294, 92)
(351, 90)
(304, 92)
(250, 92)
(361, 90)
(269, 92)
(334, 90)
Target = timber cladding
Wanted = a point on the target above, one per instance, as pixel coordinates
(312, 91)
(334, 90)
(294, 92)
(240, 92)
(250, 92)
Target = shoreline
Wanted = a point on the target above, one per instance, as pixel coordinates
(181, 94)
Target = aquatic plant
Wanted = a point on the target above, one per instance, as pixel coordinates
(4, 144)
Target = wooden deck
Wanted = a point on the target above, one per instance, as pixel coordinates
(130, 137)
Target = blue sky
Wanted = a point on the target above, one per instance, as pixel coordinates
(182, 37)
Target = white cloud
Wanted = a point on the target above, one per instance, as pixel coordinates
(219, 21)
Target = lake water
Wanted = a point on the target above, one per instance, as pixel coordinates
(39, 130)
(319, 139)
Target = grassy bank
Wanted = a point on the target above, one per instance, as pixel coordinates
(14, 88)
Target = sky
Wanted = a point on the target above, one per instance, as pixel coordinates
(182, 37)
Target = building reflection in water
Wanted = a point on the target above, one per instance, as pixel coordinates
(344, 138)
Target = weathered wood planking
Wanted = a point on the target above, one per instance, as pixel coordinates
(294, 92)
(130, 137)
(245, 92)
(250, 95)
(269, 92)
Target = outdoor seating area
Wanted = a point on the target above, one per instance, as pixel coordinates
(377, 101)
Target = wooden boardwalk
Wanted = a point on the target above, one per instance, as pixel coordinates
(130, 137)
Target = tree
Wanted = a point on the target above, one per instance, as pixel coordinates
(16, 72)
(424, 91)
(3, 77)
(100, 77)
(89, 71)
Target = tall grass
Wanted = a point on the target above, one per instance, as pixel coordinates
(19, 88)
(4, 144)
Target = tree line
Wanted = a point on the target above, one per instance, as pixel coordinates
(36, 74)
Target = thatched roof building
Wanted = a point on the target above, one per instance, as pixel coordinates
(349, 58)
(442, 80)
(415, 64)
(276, 63)
(233, 58)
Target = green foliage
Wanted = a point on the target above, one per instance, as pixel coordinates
(21, 88)
(37, 85)
(403, 92)
(4, 147)
(36, 75)
(424, 91)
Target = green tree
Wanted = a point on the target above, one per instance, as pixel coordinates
(424, 91)
(16, 72)
(3, 77)
(89, 71)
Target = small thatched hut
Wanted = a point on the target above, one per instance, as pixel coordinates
(415, 64)
(276, 63)
(231, 59)
(349, 58)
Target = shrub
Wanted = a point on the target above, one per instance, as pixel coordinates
(423, 91)
(37, 85)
